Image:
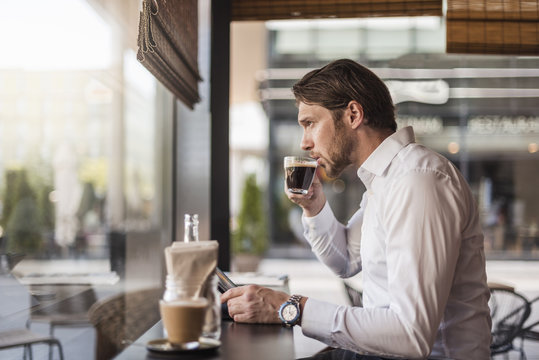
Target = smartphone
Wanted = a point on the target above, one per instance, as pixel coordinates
(223, 285)
(224, 281)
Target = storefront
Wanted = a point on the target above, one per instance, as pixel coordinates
(478, 111)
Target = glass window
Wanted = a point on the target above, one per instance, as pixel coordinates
(428, 40)
(335, 43)
(294, 41)
(388, 44)
(498, 156)
(82, 157)
(486, 124)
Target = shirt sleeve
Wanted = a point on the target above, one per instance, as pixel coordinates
(329, 240)
(422, 247)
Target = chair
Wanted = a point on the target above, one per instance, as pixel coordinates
(531, 331)
(355, 296)
(70, 312)
(495, 285)
(26, 338)
(8, 260)
(123, 318)
(508, 310)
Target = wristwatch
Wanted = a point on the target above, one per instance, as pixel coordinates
(290, 311)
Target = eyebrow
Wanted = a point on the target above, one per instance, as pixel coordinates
(304, 120)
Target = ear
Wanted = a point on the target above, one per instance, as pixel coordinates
(355, 114)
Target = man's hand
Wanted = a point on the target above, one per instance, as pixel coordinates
(313, 202)
(254, 304)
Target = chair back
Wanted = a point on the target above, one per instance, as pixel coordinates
(355, 296)
(531, 328)
(122, 318)
(508, 310)
(73, 309)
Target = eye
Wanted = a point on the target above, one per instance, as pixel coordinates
(305, 123)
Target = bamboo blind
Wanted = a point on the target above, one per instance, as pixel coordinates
(493, 26)
(168, 45)
(308, 9)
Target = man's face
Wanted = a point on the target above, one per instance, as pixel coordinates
(331, 145)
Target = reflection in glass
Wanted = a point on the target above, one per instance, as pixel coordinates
(80, 187)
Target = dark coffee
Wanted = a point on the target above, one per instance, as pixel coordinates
(299, 177)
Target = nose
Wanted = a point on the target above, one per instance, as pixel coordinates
(306, 142)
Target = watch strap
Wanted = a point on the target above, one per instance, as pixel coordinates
(295, 299)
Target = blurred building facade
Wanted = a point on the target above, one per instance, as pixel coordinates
(478, 111)
(85, 143)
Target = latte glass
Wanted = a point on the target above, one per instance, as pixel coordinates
(183, 319)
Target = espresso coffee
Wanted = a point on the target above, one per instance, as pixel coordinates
(299, 177)
(183, 319)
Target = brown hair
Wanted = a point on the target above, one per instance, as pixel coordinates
(341, 81)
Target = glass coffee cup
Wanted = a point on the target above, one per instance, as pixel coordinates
(299, 172)
(183, 319)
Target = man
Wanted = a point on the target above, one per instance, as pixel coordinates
(416, 235)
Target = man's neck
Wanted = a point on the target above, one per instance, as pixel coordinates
(368, 140)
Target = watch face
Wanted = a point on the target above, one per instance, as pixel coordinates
(290, 312)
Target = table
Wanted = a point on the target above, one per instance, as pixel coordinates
(239, 342)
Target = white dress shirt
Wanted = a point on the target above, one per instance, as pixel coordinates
(418, 241)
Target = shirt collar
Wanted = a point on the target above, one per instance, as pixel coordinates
(379, 160)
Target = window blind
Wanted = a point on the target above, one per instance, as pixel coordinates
(168, 45)
(305, 9)
(493, 26)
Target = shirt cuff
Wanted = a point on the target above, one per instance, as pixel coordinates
(317, 319)
(318, 224)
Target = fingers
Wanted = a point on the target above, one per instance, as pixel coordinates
(292, 196)
(232, 293)
(256, 304)
(243, 303)
(239, 310)
(299, 198)
(244, 318)
(306, 200)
